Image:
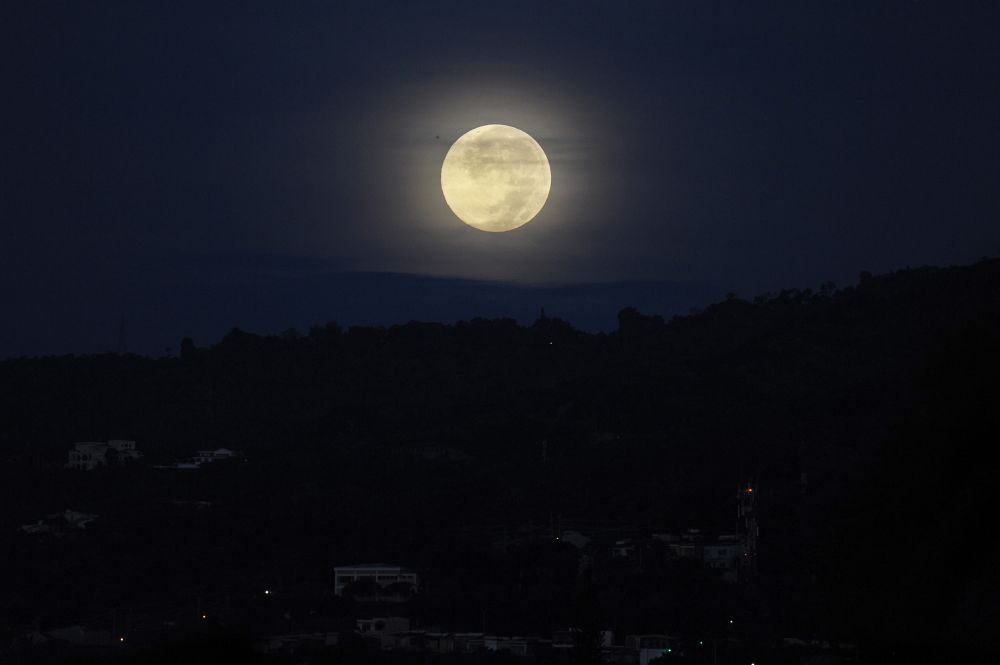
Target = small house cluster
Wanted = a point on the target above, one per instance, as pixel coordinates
(395, 633)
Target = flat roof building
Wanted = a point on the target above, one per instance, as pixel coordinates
(382, 574)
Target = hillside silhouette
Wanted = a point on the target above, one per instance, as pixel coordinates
(867, 416)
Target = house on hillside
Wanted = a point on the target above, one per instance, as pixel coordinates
(206, 456)
(60, 524)
(76, 635)
(624, 549)
(379, 575)
(201, 458)
(650, 647)
(88, 455)
(382, 625)
(723, 552)
(386, 630)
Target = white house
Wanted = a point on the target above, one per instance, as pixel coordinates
(88, 455)
(205, 456)
(385, 629)
(382, 574)
(650, 646)
(60, 524)
(382, 625)
(624, 549)
(724, 553)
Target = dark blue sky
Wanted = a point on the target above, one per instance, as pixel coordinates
(188, 167)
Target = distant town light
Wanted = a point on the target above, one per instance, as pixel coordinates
(121, 639)
(205, 616)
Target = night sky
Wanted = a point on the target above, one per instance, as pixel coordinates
(176, 169)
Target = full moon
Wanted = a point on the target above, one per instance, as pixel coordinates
(495, 178)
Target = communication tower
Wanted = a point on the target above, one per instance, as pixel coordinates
(746, 521)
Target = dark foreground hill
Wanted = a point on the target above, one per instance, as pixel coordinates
(866, 415)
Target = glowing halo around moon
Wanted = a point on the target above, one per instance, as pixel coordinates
(495, 178)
